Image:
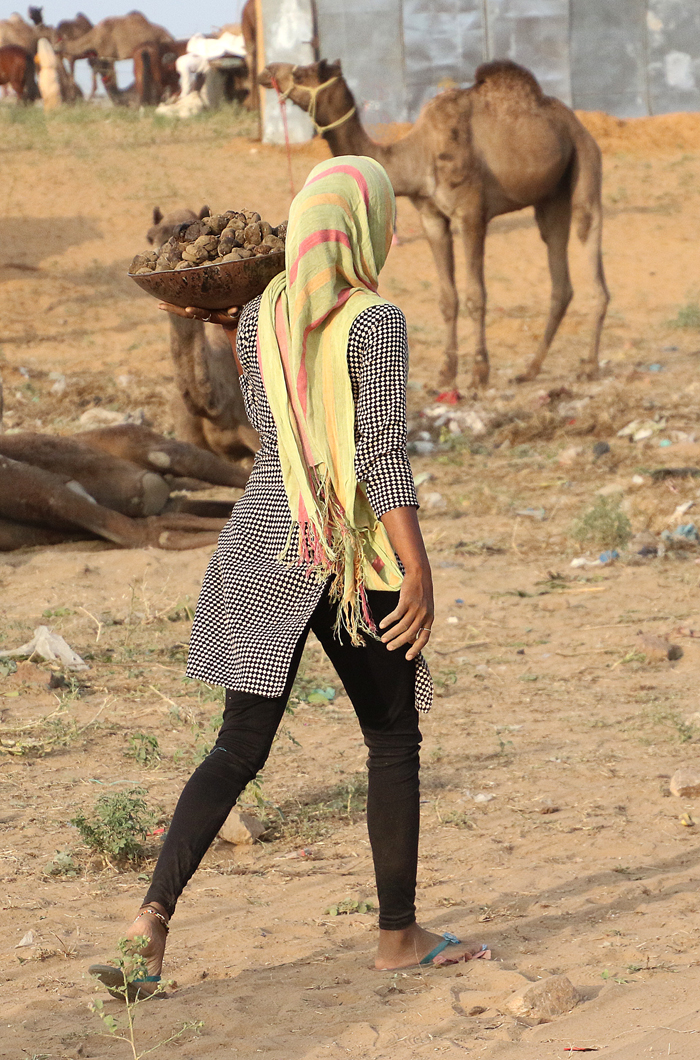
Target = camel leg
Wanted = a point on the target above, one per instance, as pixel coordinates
(437, 231)
(602, 296)
(554, 222)
(474, 237)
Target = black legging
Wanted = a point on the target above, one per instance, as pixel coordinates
(381, 686)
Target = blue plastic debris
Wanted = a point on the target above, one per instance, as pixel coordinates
(664, 443)
(685, 532)
(656, 368)
(609, 556)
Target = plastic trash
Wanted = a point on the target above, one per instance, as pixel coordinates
(50, 646)
(687, 533)
(609, 556)
(533, 513)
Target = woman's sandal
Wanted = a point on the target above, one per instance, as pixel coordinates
(448, 939)
(115, 980)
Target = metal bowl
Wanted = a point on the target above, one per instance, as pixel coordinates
(213, 286)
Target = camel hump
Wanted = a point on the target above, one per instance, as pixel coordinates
(505, 74)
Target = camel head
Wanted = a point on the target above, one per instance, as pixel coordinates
(164, 227)
(300, 83)
(36, 14)
(318, 88)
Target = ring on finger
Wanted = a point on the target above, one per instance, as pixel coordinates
(207, 319)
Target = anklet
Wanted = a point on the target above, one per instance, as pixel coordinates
(155, 913)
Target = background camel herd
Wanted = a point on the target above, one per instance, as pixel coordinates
(474, 154)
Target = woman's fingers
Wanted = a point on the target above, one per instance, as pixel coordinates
(418, 644)
(227, 318)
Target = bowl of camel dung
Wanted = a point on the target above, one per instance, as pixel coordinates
(219, 261)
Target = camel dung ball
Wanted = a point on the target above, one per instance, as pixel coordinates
(216, 223)
(261, 249)
(142, 261)
(194, 254)
(184, 264)
(252, 234)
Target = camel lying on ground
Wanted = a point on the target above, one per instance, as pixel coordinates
(107, 484)
(210, 412)
(473, 155)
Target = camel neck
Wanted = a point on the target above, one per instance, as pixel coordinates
(351, 138)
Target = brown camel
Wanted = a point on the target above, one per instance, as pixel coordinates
(475, 154)
(155, 73)
(71, 29)
(209, 411)
(54, 489)
(14, 30)
(165, 226)
(115, 38)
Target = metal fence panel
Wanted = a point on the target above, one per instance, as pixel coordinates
(444, 42)
(368, 37)
(674, 55)
(608, 56)
(288, 30)
(534, 33)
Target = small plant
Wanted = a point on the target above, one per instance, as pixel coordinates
(118, 825)
(681, 730)
(349, 905)
(688, 316)
(603, 526)
(133, 967)
(62, 864)
(143, 748)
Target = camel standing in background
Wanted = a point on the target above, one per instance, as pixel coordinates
(115, 38)
(473, 155)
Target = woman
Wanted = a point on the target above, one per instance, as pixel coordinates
(313, 544)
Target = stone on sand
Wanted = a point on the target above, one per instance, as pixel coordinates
(241, 829)
(544, 1000)
(685, 782)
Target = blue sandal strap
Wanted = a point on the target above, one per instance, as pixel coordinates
(448, 939)
(147, 979)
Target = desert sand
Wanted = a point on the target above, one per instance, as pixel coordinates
(549, 830)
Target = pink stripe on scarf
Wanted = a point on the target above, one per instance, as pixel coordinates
(328, 235)
(351, 172)
(301, 387)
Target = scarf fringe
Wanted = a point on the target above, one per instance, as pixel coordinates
(323, 550)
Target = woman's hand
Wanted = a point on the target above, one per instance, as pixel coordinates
(226, 318)
(412, 618)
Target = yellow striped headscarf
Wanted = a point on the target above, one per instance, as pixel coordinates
(340, 229)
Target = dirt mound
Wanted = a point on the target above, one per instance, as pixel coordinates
(661, 134)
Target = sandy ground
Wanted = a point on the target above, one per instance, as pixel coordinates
(549, 831)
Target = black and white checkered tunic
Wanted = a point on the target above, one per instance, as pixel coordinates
(252, 608)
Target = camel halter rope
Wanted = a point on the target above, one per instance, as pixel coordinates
(282, 97)
(313, 97)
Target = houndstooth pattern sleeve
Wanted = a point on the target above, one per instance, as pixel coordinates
(252, 608)
(379, 342)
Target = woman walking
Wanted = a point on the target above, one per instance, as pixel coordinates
(312, 544)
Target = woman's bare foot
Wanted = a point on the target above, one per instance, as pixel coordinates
(407, 948)
(146, 925)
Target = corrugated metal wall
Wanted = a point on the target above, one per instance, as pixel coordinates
(628, 57)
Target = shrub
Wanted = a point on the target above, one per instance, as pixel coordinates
(603, 526)
(118, 825)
